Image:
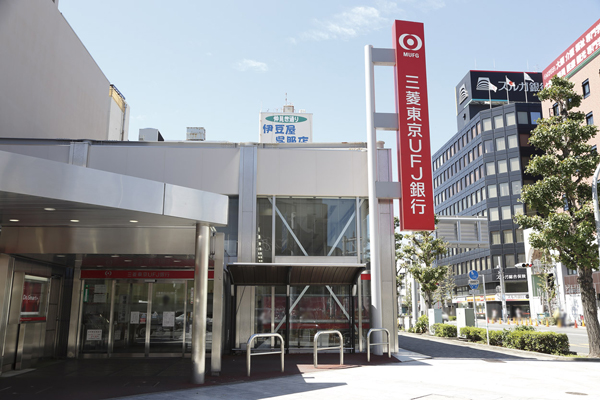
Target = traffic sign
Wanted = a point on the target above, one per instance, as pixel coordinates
(473, 284)
(473, 274)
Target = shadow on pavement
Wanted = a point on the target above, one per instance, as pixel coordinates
(448, 350)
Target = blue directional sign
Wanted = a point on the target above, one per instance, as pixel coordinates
(473, 274)
(473, 284)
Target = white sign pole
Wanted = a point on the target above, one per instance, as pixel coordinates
(475, 306)
(487, 328)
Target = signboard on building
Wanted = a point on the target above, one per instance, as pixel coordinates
(584, 49)
(33, 302)
(414, 151)
(285, 127)
(481, 87)
(139, 274)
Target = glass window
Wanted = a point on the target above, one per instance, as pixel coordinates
(506, 214)
(522, 117)
(482, 193)
(496, 237)
(521, 258)
(498, 122)
(478, 128)
(490, 168)
(496, 261)
(314, 227)
(510, 260)
(488, 146)
(519, 236)
(555, 110)
(586, 88)
(512, 141)
(487, 124)
(510, 119)
(494, 215)
(589, 118)
(535, 115)
(508, 236)
(504, 189)
(502, 167)
(516, 187)
(500, 144)
(492, 191)
(514, 164)
(519, 209)
(524, 140)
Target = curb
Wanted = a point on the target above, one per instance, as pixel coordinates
(501, 350)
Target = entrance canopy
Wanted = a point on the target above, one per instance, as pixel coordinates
(281, 274)
(53, 207)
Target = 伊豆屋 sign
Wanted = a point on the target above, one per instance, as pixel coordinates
(414, 152)
(285, 128)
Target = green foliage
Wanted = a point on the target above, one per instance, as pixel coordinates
(542, 342)
(422, 324)
(452, 318)
(418, 252)
(563, 169)
(521, 338)
(444, 330)
(473, 334)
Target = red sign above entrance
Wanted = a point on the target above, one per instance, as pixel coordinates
(138, 274)
(414, 151)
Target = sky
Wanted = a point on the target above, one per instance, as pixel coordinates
(217, 64)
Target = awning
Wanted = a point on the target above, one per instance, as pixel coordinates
(281, 274)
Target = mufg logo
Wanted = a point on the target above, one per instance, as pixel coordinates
(410, 42)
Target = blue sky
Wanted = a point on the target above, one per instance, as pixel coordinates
(216, 64)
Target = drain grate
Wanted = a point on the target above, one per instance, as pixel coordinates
(493, 360)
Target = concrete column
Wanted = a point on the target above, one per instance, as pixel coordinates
(217, 326)
(202, 247)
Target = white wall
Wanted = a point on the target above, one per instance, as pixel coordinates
(51, 86)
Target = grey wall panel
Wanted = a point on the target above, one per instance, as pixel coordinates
(6, 281)
(108, 158)
(311, 172)
(59, 153)
(55, 89)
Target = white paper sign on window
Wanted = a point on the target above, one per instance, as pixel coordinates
(168, 319)
(93, 334)
(134, 318)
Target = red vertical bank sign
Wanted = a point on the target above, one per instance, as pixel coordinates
(414, 152)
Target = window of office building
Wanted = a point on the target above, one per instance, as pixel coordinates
(487, 124)
(494, 215)
(490, 168)
(521, 258)
(589, 118)
(496, 261)
(519, 236)
(488, 146)
(502, 167)
(506, 213)
(492, 191)
(513, 142)
(523, 118)
(482, 191)
(504, 189)
(535, 115)
(516, 187)
(519, 209)
(510, 260)
(500, 144)
(495, 237)
(510, 119)
(508, 236)
(514, 164)
(498, 122)
(586, 88)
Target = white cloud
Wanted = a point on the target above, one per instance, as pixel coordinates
(251, 65)
(426, 5)
(348, 24)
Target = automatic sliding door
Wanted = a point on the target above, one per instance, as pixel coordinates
(130, 317)
(167, 317)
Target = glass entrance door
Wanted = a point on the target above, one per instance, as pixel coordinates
(130, 317)
(167, 317)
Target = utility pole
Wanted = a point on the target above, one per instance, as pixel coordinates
(502, 291)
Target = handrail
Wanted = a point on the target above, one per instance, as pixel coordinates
(369, 344)
(263, 335)
(316, 341)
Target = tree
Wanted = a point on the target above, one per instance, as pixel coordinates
(419, 251)
(446, 287)
(547, 282)
(562, 196)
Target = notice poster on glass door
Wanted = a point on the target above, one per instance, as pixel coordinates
(134, 318)
(168, 319)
